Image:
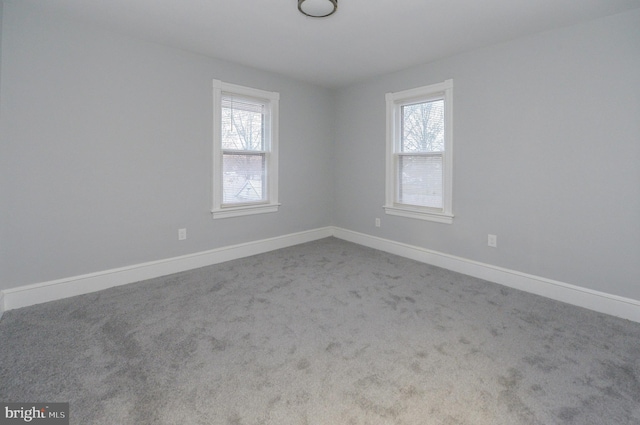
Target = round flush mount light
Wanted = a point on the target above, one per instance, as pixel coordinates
(318, 8)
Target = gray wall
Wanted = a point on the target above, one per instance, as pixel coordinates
(106, 145)
(3, 176)
(1, 9)
(547, 155)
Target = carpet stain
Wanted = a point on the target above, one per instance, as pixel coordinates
(356, 294)
(511, 398)
(541, 363)
(303, 364)
(217, 344)
(416, 368)
(302, 398)
(333, 347)
(118, 340)
(568, 414)
(623, 379)
(234, 419)
(410, 392)
(376, 409)
(440, 349)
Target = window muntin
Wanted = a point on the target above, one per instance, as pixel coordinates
(419, 153)
(245, 151)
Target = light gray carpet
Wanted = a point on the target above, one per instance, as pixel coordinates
(322, 333)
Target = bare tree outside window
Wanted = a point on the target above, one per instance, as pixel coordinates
(421, 153)
(423, 127)
(244, 150)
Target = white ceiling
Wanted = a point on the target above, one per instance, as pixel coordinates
(363, 39)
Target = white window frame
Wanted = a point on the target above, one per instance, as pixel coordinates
(394, 102)
(271, 99)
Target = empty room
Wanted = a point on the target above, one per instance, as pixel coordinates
(315, 212)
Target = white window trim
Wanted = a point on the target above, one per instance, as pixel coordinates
(394, 101)
(271, 205)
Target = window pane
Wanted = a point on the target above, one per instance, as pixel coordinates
(420, 180)
(244, 178)
(423, 127)
(242, 124)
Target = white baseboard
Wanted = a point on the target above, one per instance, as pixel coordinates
(602, 302)
(37, 293)
(24, 296)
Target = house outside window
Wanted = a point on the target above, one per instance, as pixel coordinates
(245, 150)
(419, 166)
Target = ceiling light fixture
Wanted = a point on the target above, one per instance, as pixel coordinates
(318, 8)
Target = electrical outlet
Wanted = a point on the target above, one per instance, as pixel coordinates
(182, 234)
(492, 241)
(377, 222)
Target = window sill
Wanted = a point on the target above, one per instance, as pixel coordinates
(418, 213)
(244, 210)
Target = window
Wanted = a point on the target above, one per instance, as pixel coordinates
(245, 154)
(419, 153)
